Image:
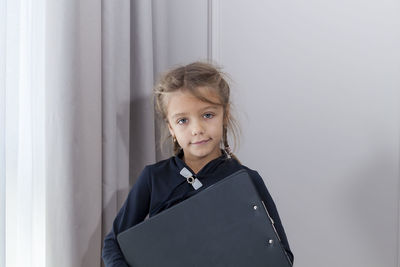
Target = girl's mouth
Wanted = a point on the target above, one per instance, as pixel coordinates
(200, 142)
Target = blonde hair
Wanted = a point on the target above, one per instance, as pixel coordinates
(194, 78)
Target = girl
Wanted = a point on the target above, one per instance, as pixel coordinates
(194, 102)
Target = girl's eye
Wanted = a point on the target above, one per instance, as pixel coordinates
(182, 121)
(208, 116)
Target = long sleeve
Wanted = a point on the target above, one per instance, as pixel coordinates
(270, 205)
(133, 211)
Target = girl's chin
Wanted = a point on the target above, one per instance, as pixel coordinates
(198, 154)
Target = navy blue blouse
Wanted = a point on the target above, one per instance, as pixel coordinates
(161, 186)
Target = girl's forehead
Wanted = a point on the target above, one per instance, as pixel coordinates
(201, 94)
(184, 100)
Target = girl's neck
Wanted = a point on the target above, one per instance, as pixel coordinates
(197, 164)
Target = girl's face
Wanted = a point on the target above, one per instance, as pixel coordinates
(196, 125)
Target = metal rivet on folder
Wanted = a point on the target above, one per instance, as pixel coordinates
(255, 207)
(270, 241)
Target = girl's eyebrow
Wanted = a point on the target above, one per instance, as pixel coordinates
(210, 107)
(201, 110)
(178, 115)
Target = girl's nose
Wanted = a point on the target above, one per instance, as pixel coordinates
(197, 129)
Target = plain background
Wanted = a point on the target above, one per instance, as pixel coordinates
(316, 90)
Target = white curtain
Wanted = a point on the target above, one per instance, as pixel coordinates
(23, 107)
(3, 24)
(76, 80)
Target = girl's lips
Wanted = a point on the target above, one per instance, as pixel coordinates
(201, 142)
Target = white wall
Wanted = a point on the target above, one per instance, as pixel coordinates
(316, 85)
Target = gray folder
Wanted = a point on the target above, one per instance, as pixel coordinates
(225, 224)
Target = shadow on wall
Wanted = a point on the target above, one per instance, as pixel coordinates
(141, 136)
(139, 141)
(93, 243)
(95, 247)
(90, 257)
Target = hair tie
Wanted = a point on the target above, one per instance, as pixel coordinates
(228, 151)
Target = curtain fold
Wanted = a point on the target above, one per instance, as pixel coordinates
(142, 128)
(128, 112)
(115, 110)
(73, 133)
